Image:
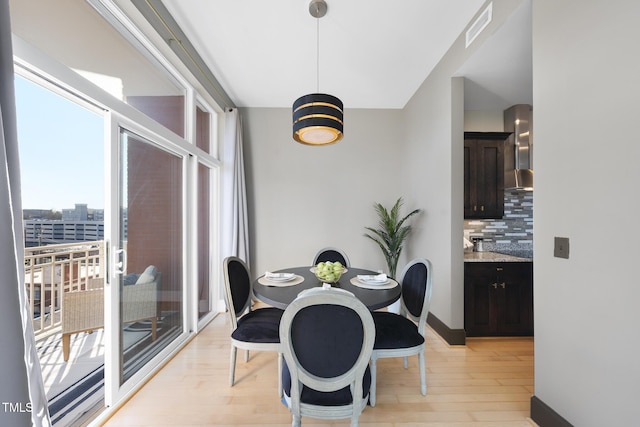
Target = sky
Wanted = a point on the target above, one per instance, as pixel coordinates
(61, 149)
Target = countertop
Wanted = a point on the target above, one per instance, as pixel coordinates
(492, 257)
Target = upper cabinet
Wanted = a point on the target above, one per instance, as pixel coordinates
(484, 174)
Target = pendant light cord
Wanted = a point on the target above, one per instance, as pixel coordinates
(318, 53)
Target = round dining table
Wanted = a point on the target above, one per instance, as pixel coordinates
(281, 294)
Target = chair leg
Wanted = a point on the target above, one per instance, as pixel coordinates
(423, 379)
(280, 391)
(66, 346)
(154, 328)
(406, 362)
(372, 389)
(246, 356)
(296, 421)
(232, 367)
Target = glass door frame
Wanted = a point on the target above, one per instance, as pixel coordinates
(216, 304)
(114, 390)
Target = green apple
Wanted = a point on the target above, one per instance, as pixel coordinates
(329, 271)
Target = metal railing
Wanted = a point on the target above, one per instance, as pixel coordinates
(54, 269)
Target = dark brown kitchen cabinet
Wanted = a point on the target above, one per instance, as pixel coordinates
(498, 299)
(484, 174)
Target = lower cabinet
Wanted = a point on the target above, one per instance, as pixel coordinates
(498, 298)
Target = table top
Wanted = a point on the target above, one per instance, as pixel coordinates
(282, 296)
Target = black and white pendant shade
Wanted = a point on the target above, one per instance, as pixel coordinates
(317, 119)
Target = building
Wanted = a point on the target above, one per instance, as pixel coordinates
(80, 224)
(47, 232)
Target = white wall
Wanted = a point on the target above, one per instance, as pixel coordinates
(484, 121)
(586, 84)
(302, 198)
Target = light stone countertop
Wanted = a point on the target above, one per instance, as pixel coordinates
(492, 257)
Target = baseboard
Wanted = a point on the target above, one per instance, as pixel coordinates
(451, 336)
(544, 416)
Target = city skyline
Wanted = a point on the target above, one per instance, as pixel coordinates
(91, 208)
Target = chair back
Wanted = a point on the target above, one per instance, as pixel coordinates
(416, 291)
(237, 283)
(331, 254)
(327, 337)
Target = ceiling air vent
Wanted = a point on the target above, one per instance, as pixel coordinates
(479, 25)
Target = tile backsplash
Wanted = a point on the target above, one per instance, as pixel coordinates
(515, 229)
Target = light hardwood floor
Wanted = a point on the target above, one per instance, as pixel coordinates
(487, 383)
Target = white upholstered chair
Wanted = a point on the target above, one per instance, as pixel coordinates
(327, 337)
(402, 335)
(331, 254)
(250, 329)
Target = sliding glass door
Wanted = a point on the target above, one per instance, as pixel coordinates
(147, 252)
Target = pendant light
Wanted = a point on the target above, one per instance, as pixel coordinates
(317, 117)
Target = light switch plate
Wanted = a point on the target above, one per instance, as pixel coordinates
(561, 247)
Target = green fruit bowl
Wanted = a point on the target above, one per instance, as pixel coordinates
(328, 272)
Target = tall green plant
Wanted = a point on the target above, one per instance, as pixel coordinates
(391, 232)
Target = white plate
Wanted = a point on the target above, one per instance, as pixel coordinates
(280, 277)
(374, 282)
(367, 285)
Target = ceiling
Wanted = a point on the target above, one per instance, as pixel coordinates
(500, 72)
(373, 54)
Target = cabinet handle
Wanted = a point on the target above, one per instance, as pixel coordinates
(499, 268)
(475, 208)
(503, 285)
(482, 208)
(495, 285)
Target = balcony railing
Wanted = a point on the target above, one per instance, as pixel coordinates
(54, 269)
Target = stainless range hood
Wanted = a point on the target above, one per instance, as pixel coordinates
(518, 156)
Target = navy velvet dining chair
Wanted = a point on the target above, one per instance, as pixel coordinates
(402, 335)
(250, 329)
(327, 337)
(331, 254)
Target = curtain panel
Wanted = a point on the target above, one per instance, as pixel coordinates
(22, 398)
(235, 220)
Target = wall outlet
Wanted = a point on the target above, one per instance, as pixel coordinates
(561, 247)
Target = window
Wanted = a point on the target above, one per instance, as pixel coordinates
(77, 36)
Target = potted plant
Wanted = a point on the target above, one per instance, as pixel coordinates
(391, 232)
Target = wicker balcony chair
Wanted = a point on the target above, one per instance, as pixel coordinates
(83, 311)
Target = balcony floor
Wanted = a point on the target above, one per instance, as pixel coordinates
(75, 387)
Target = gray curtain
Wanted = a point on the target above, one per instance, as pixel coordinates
(22, 396)
(235, 221)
